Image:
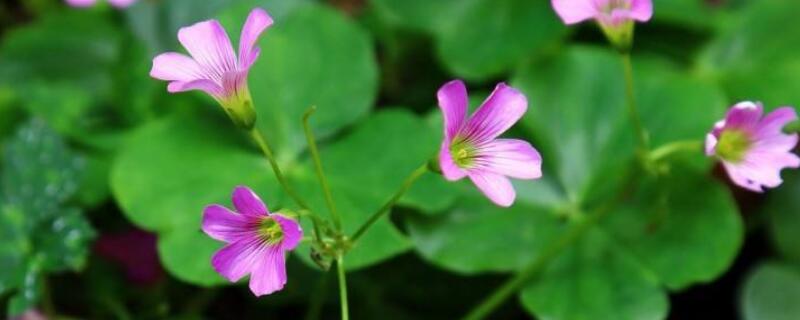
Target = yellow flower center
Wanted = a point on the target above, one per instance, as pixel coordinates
(270, 231)
(733, 145)
(463, 153)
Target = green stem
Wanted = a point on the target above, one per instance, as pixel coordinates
(630, 99)
(669, 149)
(549, 253)
(389, 204)
(323, 181)
(258, 137)
(342, 288)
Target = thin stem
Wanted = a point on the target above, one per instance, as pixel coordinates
(323, 181)
(258, 137)
(342, 288)
(630, 99)
(669, 149)
(549, 253)
(389, 204)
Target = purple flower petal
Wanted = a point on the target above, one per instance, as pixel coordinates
(641, 10)
(495, 186)
(511, 157)
(450, 170)
(453, 101)
(575, 11)
(224, 225)
(207, 86)
(744, 115)
(121, 3)
(269, 275)
(292, 232)
(504, 107)
(236, 260)
(247, 202)
(209, 45)
(81, 3)
(256, 23)
(173, 66)
(769, 132)
(233, 82)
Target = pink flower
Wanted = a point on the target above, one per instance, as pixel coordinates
(213, 66)
(257, 241)
(611, 12)
(89, 3)
(753, 149)
(471, 148)
(615, 17)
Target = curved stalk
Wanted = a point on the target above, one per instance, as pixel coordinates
(323, 181)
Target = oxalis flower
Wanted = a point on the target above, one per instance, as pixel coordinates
(753, 149)
(213, 66)
(257, 241)
(89, 3)
(615, 17)
(471, 148)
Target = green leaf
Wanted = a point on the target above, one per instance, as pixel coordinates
(782, 211)
(771, 292)
(750, 61)
(30, 290)
(363, 175)
(301, 57)
(64, 243)
(14, 247)
(492, 36)
(422, 15)
(40, 173)
(577, 112)
(169, 170)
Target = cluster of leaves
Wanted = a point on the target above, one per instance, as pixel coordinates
(39, 232)
(173, 155)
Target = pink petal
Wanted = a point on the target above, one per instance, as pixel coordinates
(504, 107)
(173, 66)
(292, 232)
(209, 45)
(510, 157)
(269, 274)
(237, 259)
(711, 144)
(247, 202)
(224, 225)
(453, 101)
(761, 169)
(450, 170)
(769, 132)
(233, 82)
(207, 86)
(575, 11)
(81, 3)
(256, 23)
(641, 10)
(121, 3)
(744, 115)
(495, 186)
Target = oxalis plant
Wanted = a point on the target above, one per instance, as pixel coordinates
(750, 144)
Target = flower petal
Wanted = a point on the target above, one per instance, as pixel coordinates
(641, 10)
(247, 202)
(504, 107)
(744, 115)
(510, 157)
(711, 144)
(173, 66)
(769, 132)
(209, 45)
(236, 260)
(495, 186)
(81, 3)
(256, 23)
(292, 232)
(233, 82)
(224, 225)
(575, 11)
(761, 169)
(121, 3)
(453, 101)
(269, 274)
(449, 168)
(206, 86)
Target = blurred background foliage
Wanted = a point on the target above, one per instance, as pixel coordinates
(104, 175)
